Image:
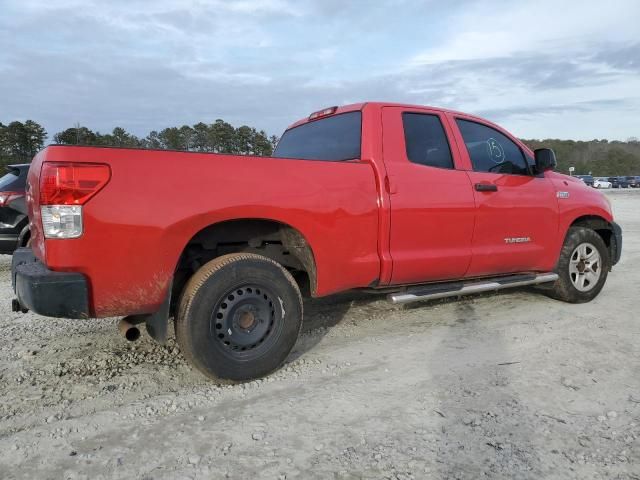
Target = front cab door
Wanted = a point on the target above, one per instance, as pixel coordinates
(517, 211)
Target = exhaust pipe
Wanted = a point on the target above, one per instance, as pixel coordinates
(128, 329)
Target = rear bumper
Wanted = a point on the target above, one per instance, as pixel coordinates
(616, 243)
(48, 293)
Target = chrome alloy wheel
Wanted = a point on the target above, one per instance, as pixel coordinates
(585, 267)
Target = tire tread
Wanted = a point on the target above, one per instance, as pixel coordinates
(192, 288)
(563, 289)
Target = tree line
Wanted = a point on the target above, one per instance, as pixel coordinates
(19, 142)
(217, 137)
(599, 158)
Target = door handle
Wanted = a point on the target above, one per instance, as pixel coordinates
(486, 187)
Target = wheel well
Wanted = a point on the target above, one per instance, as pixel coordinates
(597, 224)
(268, 238)
(24, 236)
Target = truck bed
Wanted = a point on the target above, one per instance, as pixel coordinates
(156, 201)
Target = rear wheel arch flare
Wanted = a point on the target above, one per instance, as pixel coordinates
(273, 239)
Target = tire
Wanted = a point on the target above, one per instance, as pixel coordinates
(239, 317)
(583, 266)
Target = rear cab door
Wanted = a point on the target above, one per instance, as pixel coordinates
(517, 211)
(430, 195)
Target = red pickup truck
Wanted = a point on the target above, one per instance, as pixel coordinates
(417, 202)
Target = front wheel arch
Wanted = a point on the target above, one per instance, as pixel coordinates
(601, 226)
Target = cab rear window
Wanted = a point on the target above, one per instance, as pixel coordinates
(334, 139)
(426, 141)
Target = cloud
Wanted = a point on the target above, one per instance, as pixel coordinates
(625, 58)
(539, 69)
(492, 29)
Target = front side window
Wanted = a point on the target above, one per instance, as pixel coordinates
(490, 150)
(332, 138)
(426, 140)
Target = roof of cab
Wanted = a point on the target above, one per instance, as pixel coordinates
(359, 106)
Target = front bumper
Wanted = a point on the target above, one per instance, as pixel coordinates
(48, 293)
(616, 243)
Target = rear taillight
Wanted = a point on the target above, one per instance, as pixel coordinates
(64, 188)
(6, 197)
(71, 183)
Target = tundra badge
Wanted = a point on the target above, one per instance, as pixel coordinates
(517, 240)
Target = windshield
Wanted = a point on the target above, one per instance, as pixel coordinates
(333, 138)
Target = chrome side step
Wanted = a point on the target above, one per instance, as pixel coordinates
(454, 289)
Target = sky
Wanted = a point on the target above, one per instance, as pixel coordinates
(542, 69)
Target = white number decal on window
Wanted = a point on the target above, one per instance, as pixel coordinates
(495, 150)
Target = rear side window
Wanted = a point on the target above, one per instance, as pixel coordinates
(426, 141)
(333, 138)
(490, 150)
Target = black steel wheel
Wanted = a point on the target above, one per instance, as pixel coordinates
(239, 317)
(245, 320)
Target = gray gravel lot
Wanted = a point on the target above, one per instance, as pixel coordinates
(509, 385)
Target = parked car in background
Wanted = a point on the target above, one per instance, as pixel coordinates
(601, 183)
(633, 181)
(619, 182)
(588, 179)
(14, 220)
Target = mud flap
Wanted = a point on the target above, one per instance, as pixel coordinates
(616, 244)
(157, 323)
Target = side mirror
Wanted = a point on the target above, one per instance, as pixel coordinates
(545, 159)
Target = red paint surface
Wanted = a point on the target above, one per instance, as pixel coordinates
(379, 219)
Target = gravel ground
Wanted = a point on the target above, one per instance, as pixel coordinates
(509, 385)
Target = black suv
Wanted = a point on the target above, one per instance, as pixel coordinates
(634, 182)
(587, 179)
(14, 222)
(619, 182)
